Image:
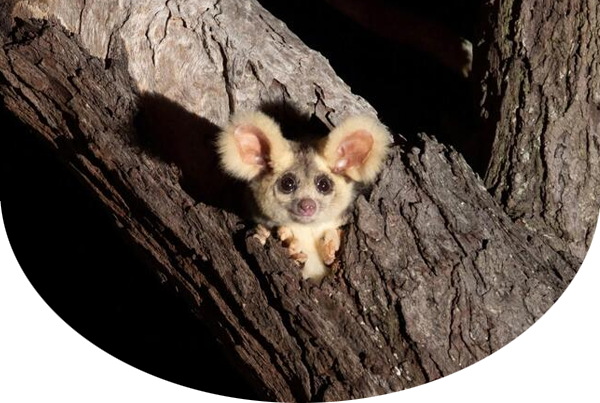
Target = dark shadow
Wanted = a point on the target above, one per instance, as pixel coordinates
(411, 91)
(86, 271)
(168, 131)
(294, 124)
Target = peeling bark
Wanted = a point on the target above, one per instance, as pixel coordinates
(541, 105)
(433, 274)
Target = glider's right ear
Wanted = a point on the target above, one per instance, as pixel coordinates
(252, 144)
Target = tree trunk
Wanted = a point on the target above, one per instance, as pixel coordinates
(433, 274)
(540, 81)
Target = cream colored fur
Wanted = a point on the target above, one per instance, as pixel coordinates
(317, 241)
(311, 238)
(280, 155)
(372, 164)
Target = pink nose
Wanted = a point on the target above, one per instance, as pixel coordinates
(307, 207)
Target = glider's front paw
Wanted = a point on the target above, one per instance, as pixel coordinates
(262, 234)
(329, 245)
(292, 244)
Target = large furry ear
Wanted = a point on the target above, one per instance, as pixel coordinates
(251, 144)
(357, 148)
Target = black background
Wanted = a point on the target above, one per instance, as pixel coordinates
(67, 245)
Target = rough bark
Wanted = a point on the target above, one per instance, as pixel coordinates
(433, 275)
(540, 102)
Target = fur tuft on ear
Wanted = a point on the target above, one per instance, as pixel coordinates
(357, 148)
(252, 143)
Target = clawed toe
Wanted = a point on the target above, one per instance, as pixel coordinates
(300, 257)
(262, 234)
(330, 244)
(285, 234)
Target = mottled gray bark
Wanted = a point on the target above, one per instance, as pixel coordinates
(432, 276)
(540, 79)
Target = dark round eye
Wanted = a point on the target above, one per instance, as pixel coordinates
(288, 183)
(324, 184)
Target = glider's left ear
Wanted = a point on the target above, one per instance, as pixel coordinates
(357, 148)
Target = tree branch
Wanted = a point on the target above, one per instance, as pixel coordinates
(541, 106)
